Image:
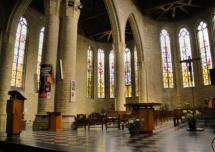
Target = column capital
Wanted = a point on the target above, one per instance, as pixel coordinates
(71, 8)
(52, 7)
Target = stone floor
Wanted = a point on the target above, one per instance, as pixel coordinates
(166, 139)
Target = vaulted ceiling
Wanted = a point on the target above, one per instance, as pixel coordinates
(94, 21)
(171, 10)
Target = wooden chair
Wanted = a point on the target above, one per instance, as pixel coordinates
(112, 120)
(81, 121)
(95, 119)
(177, 116)
(124, 116)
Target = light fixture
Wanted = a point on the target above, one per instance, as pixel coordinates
(72, 3)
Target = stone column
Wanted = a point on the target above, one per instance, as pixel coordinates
(119, 49)
(68, 46)
(49, 57)
(5, 74)
(143, 96)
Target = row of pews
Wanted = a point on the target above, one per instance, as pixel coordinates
(118, 120)
(114, 119)
(110, 119)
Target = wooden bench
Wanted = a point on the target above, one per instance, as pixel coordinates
(112, 120)
(95, 119)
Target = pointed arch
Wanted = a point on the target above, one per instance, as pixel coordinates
(205, 51)
(136, 33)
(186, 54)
(115, 26)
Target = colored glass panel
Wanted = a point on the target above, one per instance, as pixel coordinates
(136, 67)
(101, 76)
(204, 47)
(186, 54)
(111, 69)
(89, 72)
(128, 86)
(166, 60)
(19, 51)
(40, 50)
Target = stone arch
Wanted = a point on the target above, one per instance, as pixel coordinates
(114, 20)
(136, 33)
(7, 56)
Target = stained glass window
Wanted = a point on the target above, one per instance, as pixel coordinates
(89, 71)
(186, 54)
(128, 85)
(166, 59)
(40, 54)
(19, 51)
(204, 46)
(101, 76)
(136, 72)
(111, 68)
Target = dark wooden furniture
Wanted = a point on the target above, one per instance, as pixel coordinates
(55, 121)
(15, 109)
(124, 116)
(81, 121)
(95, 119)
(145, 111)
(177, 116)
(112, 120)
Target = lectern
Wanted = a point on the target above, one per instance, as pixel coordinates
(55, 121)
(15, 109)
(145, 111)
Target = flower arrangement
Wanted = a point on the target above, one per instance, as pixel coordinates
(190, 114)
(191, 117)
(134, 123)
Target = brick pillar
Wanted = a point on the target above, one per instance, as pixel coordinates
(68, 46)
(49, 57)
(119, 49)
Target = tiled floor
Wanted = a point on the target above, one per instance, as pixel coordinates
(167, 139)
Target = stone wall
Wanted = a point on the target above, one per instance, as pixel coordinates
(149, 37)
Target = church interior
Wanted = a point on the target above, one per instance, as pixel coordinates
(107, 75)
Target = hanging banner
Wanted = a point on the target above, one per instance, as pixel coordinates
(45, 81)
(73, 90)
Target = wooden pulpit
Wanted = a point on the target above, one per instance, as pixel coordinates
(145, 111)
(15, 109)
(55, 121)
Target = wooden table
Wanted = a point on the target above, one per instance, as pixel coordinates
(145, 111)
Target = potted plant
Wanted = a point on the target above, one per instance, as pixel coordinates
(191, 117)
(133, 124)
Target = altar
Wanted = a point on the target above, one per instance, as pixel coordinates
(145, 111)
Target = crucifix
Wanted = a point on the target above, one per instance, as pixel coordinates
(189, 65)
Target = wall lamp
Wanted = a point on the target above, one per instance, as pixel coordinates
(72, 3)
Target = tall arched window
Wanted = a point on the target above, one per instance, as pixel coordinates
(89, 72)
(40, 54)
(111, 69)
(204, 47)
(136, 67)
(166, 60)
(19, 52)
(101, 76)
(186, 54)
(128, 85)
